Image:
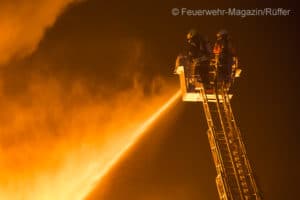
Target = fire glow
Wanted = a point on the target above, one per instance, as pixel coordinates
(97, 174)
(50, 150)
(57, 138)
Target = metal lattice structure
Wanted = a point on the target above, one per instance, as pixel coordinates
(235, 179)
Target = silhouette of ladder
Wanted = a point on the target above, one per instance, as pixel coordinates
(235, 180)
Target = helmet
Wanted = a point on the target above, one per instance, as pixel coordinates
(192, 35)
(222, 34)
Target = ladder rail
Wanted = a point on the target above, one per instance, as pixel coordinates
(239, 166)
(208, 115)
(227, 140)
(240, 159)
(241, 144)
(235, 179)
(209, 118)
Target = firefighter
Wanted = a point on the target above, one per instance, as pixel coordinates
(198, 52)
(224, 55)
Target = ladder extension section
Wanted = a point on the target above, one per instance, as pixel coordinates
(235, 180)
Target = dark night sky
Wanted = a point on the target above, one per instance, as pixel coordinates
(173, 160)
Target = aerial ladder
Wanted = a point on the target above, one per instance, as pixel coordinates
(235, 179)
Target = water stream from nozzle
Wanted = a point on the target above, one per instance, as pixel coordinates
(96, 174)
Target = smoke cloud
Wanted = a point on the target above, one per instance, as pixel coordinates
(52, 136)
(23, 24)
(56, 123)
(57, 127)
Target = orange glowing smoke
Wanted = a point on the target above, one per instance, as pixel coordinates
(96, 173)
(56, 142)
(57, 139)
(23, 24)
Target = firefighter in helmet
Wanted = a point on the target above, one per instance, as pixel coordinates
(198, 51)
(224, 55)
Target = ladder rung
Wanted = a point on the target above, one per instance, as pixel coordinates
(229, 170)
